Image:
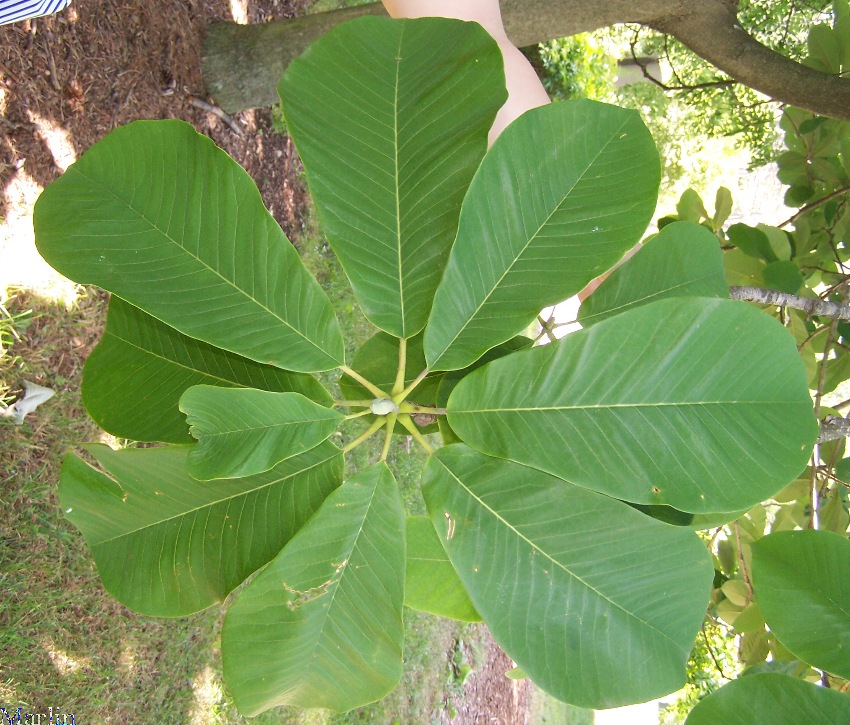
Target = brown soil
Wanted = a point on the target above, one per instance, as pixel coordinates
(104, 63)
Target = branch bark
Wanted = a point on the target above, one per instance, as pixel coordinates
(811, 306)
(712, 31)
(834, 428)
(243, 63)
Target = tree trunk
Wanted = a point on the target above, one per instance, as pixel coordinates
(243, 63)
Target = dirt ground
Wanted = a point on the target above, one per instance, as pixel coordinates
(104, 63)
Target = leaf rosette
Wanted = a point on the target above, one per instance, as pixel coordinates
(672, 396)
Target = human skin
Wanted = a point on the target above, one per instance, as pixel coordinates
(524, 88)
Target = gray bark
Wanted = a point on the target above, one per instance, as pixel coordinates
(809, 305)
(242, 63)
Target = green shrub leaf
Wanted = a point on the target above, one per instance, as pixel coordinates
(802, 588)
(527, 236)
(388, 181)
(321, 626)
(244, 431)
(133, 379)
(669, 403)
(168, 545)
(771, 698)
(432, 584)
(683, 260)
(159, 215)
(580, 590)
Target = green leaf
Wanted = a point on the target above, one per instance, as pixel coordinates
(751, 241)
(391, 119)
(321, 626)
(527, 238)
(450, 379)
(771, 698)
(167, 545)
(743, 270)
(779, 241)
(133, 379)
(683, 260)
(802, 588)
(824, 48)
(690, 207)
(722, 207)
(432, 585)
(783, 276)
(580, 590)
(669, 403)
(667, 514)
(842, 37)
(159, 215)
(833, 513)
(791, 668)
(242, 432)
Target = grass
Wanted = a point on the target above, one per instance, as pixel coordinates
(68, 643)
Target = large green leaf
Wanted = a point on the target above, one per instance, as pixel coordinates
(133, 379)
(241, 432)
(449, 380)
(432, 584)
(598, 603)
(418, 98)
(168, 545)
(801, 581)
(159, 215)
(563, 193)
(774, 699)
(683, 260)
(321, 626)
(695, 403)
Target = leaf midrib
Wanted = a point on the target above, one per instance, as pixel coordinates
(224, 279)
(531, 239)
(188, 512)
(396, 181)
(698, 404)
(336, 586)
(611, 311)
(172, 361)
(555, 562)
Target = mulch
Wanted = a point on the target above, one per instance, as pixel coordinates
(103, 63)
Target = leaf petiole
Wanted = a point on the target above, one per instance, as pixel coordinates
(391, 419)
(414, 431)
(359, 414)
(409, 408)
(410, 388)
(377, 424)
(402, 366)
(374, 389)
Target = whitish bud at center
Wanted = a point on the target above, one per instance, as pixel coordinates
(383, 406)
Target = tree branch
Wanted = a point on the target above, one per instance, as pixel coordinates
(811, 306)
(243, 63)
(711, 30)
(834, 428)
(644, 69)
(815, 204)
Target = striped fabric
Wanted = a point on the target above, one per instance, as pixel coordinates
(13, 10)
